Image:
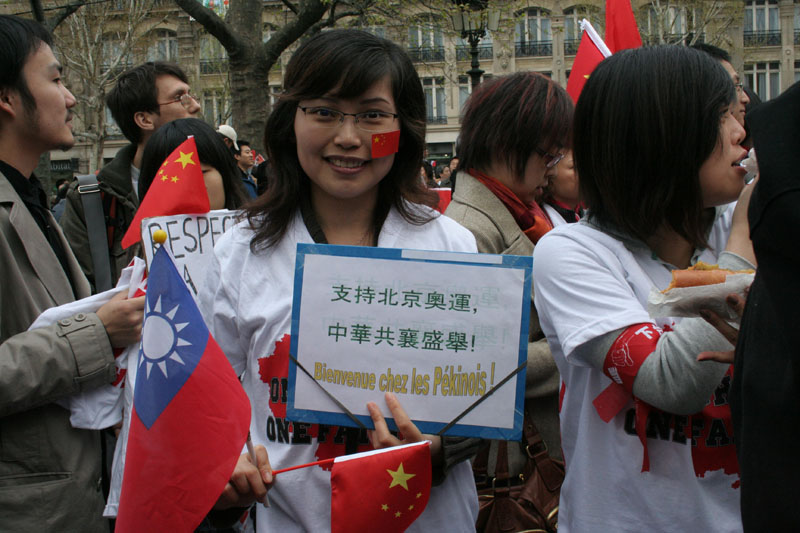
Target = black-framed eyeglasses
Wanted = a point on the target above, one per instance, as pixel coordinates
(550, 160)
(186, 100)
(326, 117)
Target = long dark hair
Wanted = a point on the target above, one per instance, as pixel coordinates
(347, 62)
(646, 121)
(210, 149)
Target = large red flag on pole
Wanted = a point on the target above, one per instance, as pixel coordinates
(621, 30)
(178, 188)
(591, 52)
(190, 414)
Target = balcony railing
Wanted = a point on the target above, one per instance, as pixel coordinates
(441, 119)
(463, 52)
(763, 38)
(426, 53)
(213, 66)
(533, 48)
(571, 46)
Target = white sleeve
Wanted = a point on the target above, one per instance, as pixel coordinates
(217, 300)
(581, 293)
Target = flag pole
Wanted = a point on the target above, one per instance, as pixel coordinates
(296, 467)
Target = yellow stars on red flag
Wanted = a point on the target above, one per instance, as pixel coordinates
(399, 477)
(185, 159)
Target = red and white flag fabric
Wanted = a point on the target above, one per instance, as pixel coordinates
(621, 29)
(382, 490)
(591, 52)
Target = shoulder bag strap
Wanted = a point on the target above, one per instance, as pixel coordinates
(96, 230)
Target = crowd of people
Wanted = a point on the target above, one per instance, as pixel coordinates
(640, 178)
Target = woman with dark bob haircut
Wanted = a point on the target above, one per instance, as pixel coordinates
(326, 186)
(646, 427)
(219, 168)
(514, 131)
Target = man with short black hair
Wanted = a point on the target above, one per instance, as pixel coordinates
(244, 161)
(724, 59)
(49, 471)
(145, 98)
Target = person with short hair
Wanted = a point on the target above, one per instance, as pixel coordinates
(646, 427)
(50, 472)
(145, 98)
(514, 130)
(244, 162)
(326, 187)
(724, 59)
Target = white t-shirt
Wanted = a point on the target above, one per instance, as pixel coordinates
(587, 283)
(247, 302)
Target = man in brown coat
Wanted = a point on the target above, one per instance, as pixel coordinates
(49, 471)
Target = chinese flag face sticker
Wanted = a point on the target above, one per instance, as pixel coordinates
(383, 490)
(384, 144)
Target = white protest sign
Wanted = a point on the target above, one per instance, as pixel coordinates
(439, 329)
(191, 240)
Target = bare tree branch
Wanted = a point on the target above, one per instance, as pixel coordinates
(291, 6)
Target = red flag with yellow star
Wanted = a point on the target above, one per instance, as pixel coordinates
(591, 52)
(384, 144)
(382, 490)
(177, 188)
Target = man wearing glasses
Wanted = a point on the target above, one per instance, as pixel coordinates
(145, 98)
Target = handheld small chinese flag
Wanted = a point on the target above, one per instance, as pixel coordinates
(190, 414)
(621, 29)
(382, 490)
(178, 188)
(591, 52)
(384, 144)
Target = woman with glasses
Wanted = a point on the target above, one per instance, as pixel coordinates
(327, 186)
(646, 428)
(562, 199)
(514, 130)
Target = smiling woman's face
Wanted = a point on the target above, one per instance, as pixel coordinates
(338, 160)
(563, 186)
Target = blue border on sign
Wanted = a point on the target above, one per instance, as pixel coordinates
(524, 263)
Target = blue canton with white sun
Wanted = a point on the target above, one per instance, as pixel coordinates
(174, 338)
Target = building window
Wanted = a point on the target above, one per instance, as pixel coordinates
(796, 23)
(533, 34)
(165, 47)
(464, 50)
(213, 57)
(762, 25)
(425, 42)
(572, 26)
(216, 108)
(670, 24)
(764, 79)
(796, 71)
(112, 50)
(274, 94)
(435, 101)
(464, 90)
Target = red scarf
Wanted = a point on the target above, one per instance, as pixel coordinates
(531, 219)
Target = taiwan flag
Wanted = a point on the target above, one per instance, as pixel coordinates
(384, 144)
(190, 415)
(591, 52)
(382, 490)
(178, 188)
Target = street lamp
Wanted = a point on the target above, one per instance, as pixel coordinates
(472, 18)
